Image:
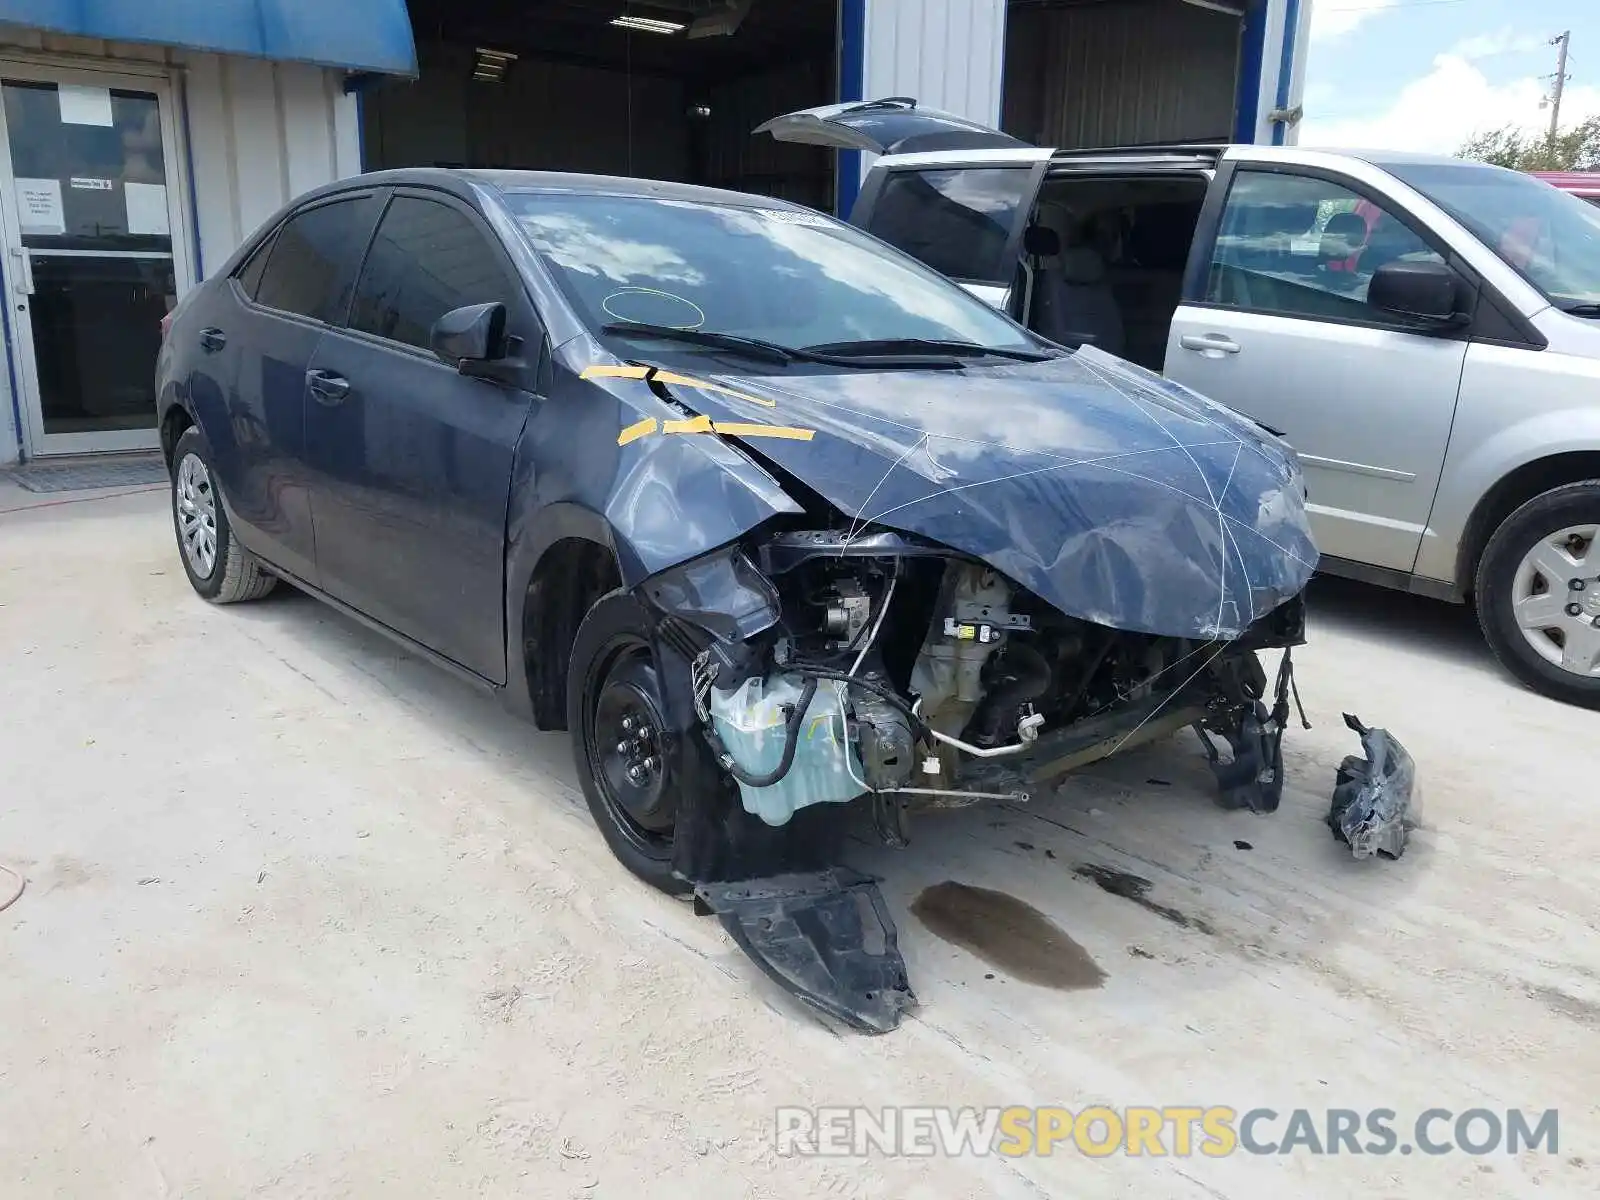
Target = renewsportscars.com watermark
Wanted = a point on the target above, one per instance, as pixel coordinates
(1168, 1131)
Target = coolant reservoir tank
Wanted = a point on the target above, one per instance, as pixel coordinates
(752, 721)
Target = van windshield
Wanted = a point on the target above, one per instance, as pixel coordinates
(791, 277)
(1550, 237)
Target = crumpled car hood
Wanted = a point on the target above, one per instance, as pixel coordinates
(1107, 491)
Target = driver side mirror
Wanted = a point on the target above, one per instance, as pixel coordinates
(474, 334)
(1424, 291)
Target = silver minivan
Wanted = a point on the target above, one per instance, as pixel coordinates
(1424, 331)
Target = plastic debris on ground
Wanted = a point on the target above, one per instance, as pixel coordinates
(1374, 807)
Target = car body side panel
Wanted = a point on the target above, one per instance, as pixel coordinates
(1368, 410)
(412, 470)
(1517, 406)
(255, 424)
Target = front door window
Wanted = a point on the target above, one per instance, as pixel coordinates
(92, 268)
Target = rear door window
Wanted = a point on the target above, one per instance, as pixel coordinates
(959, 220)
(427, 259)
(312, 260)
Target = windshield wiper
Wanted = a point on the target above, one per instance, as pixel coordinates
(1582, 310)
(759, 348)
(882, 346)
(731, 342)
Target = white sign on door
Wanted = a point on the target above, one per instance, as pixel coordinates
(147, 208)
(39, 203)
(84, 105)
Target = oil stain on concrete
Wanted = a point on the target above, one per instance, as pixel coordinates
(1008, 934)
(1137, 889)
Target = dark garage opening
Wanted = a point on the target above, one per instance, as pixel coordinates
(584, 94)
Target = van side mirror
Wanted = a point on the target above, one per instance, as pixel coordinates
(1424, 291)
(474, 334)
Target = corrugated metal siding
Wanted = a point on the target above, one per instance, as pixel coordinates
(260, 134)
(1120, 73)
(949, 54)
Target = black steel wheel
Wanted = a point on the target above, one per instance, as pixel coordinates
(628, 761)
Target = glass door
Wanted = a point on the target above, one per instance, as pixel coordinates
(92, 263)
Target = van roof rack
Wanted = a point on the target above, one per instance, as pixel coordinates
(1202, 147)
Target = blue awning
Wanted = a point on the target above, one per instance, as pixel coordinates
(360, 35)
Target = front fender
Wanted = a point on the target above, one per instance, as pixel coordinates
(653, 502)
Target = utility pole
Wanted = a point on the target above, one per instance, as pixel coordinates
(1562, 40)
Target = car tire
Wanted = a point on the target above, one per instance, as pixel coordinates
(630, 772)
(219, 568)
(1540, 551)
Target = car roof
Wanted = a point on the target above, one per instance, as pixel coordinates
(455, 178)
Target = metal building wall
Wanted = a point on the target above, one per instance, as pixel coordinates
(1120, 73)
(949, 54)
(260, 133)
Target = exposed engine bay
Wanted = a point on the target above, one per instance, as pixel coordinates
(875, 593)
(827, 669)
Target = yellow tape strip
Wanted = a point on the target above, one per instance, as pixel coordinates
(747, 429)
(690, 425)
(705, 386)
(636, 431)
(604, 372)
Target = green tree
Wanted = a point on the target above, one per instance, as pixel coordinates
(1576, 149)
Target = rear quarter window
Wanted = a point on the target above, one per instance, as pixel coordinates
(311, 265)
(249, 275)
(957, 220)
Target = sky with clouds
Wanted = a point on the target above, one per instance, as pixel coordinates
(1428, 74)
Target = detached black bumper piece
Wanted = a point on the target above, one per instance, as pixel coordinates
(1373, 799)
(812, 933)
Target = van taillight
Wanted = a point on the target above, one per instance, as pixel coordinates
(166, 326)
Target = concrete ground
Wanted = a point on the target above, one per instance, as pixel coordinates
(305, 917)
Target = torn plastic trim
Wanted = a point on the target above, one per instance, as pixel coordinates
(722, 593)
(1373, 810)
(1252, 777)
(812, 934)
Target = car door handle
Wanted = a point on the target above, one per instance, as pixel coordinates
(328, 388)
(1212, 344)
(212, 340)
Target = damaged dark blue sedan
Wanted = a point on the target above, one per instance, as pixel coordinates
(780, 525)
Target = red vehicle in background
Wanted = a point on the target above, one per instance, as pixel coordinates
(1583, 184)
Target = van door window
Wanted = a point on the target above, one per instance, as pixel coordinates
(1300, 246)
(957, 220)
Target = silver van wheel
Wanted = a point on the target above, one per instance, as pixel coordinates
(1555, 596)
(196, 503)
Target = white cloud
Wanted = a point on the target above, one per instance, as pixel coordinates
(1487, 45)
(1334, 18)
(1442, 109)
